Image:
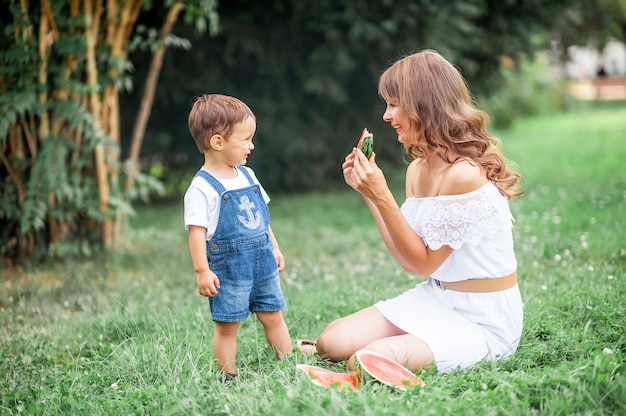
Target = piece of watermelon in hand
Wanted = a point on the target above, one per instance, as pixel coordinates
(366, 143)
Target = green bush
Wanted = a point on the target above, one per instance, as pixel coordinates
(530, 88)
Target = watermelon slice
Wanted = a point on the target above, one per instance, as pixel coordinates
(369, 364)
(327, 378)
(366, 143)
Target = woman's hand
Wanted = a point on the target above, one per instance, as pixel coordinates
(363, 175)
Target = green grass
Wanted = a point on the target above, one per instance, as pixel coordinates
(127, 333)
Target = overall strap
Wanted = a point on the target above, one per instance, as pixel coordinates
(212, 181)
(245, 172)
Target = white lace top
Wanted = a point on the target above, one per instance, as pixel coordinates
(477, 225)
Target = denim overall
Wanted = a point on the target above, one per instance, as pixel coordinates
(240, 254)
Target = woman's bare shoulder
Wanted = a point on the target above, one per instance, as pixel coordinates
(414, 166)
(462, 177)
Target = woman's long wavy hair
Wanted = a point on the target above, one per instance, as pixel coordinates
(444, 121)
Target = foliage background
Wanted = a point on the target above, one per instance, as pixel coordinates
(310, 69)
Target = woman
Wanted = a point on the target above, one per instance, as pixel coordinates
(455, 228)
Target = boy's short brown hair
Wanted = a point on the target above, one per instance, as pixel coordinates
(213, 114)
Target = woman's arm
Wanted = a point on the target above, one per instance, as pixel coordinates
(402, 241)
(382, 228)
(348, 167)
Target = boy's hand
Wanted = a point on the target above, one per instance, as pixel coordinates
(280, 259)
(208, 283)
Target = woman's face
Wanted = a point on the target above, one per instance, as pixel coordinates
(395, 115)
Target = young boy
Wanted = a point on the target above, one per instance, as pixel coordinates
(233, 249)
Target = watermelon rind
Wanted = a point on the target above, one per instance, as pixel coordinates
(330, 379)
(366, 143)
(370, 365)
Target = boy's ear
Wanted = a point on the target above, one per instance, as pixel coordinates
(216, 141)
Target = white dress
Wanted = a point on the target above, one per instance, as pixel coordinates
(462, 328)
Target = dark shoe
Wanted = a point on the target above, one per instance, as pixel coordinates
(226, 378)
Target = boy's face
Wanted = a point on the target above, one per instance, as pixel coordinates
(239, 145)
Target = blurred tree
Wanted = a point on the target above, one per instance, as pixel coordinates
(591, 22)
(63, 64)
(309, 69)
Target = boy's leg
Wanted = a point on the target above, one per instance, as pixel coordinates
(276, 332)
(225, 345)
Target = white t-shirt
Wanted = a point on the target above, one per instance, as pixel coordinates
(202, 200)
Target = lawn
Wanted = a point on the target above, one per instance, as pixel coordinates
(127, 333)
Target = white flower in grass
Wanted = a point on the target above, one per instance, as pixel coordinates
(557, 257)
(590, 268)
(611, 277)
(583, 241)
(544, 287)
(328, 277)
(607, 351)
(115, 386)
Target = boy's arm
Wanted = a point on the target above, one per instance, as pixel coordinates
(208, 282)
(278, 255)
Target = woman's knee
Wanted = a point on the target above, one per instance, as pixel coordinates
(332, 342)
(344, 336)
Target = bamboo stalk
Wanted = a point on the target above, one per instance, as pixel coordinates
(12, 170)
(46, 38)
(27, 31)
(143, 115)
(31, 141)
(95, 106)
(44, 27)
(119, 28)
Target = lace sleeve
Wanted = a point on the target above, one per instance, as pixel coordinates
(467, 219)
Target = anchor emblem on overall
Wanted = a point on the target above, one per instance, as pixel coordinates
(250, 221)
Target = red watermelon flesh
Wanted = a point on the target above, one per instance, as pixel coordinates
(327, 378)
(363, 134)
(385, 370)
